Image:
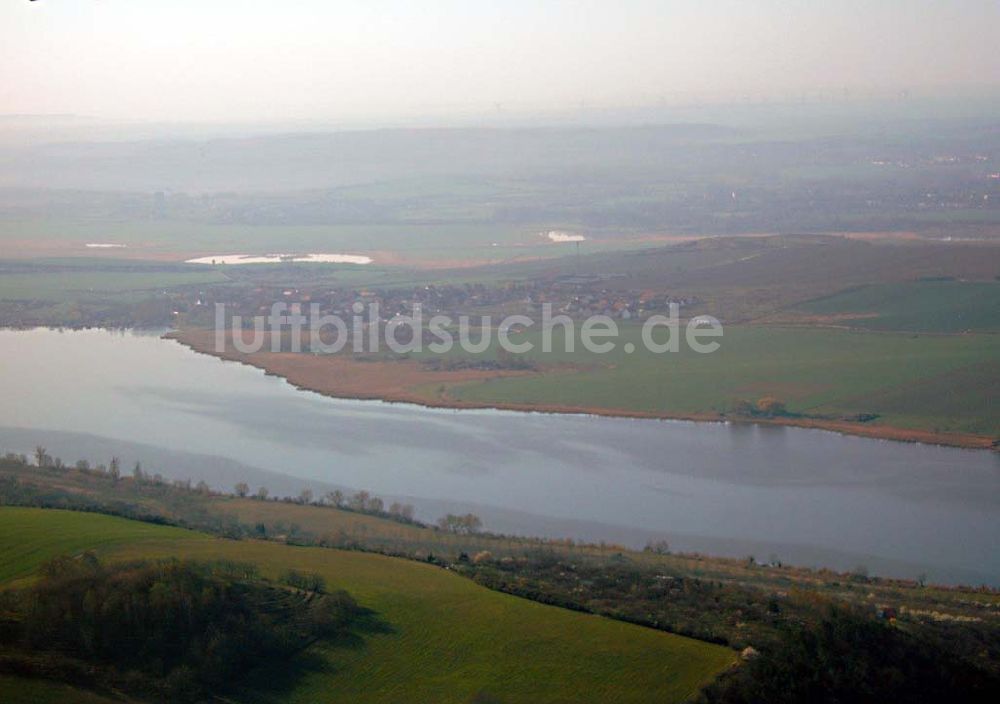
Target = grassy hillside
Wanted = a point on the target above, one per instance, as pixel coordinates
(739, 602)
(28, 538)
(451, 639)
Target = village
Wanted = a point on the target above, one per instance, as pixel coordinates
(575, 296)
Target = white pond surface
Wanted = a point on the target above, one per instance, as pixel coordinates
(278, 258)
(557, 236)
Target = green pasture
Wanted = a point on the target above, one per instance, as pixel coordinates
(947, 383)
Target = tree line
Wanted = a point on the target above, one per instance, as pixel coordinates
(359, 502)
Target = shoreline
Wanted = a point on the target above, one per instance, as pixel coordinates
(191, 340)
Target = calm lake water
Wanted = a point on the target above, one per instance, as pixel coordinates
(805, 496)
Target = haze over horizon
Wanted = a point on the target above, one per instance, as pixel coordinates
(382, 61)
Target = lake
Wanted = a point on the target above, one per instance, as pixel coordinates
(805, 496)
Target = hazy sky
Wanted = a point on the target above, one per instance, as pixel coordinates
(344, 59)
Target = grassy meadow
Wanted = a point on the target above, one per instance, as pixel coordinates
(930, 382)
(450, 640)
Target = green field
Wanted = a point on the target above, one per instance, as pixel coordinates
(451, 639)
(917, 306)
(96, 285)
(947, 383)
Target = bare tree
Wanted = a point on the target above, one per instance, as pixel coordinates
(41, 456)
(262, 494)
(114, 469)
(467, 524)
(335, 497)
(305, 496)
(242, 489)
